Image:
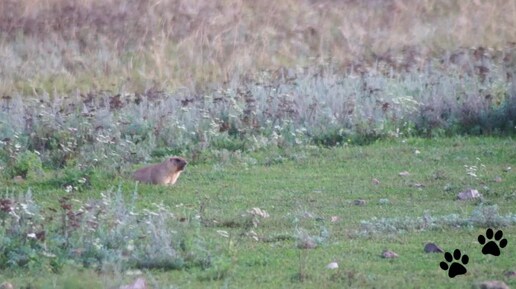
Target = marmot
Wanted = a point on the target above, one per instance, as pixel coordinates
(165, 173)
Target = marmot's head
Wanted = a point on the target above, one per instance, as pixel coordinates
(178, 162)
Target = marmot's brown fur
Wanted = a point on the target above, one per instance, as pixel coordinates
(165, 173)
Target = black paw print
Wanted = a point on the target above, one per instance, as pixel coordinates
(491, 247)
(455, 268)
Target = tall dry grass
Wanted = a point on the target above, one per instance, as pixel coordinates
(60, 46)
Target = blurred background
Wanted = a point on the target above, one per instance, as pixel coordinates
(64, 46)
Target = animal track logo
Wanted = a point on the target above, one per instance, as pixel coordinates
(456, 268)
(492, 242)
(492, 246)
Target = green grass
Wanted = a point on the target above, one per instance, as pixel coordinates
(302, 189)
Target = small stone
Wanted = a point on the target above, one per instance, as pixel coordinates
(498, 179)
(375, 181)
(259, 212)
(433, 248)
(388, 254)
(138, 284)
(6, 285)
(359, 202)
(468, 195)
(404, 174)
(495, 284)
(332, 265)
(510, 274)
(306, 243)
(507, 169)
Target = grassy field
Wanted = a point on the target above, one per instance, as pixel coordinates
(316, 131)
(310, 195)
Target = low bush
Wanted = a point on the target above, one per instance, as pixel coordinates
(99, 233)
(263, 110)
(483, 216)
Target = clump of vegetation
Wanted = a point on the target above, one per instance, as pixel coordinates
(483, 216)
(22, 164)
(268, 110)
(99, 233)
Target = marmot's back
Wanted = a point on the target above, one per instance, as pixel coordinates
(165, 173)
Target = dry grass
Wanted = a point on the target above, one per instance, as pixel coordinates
(49, 46)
